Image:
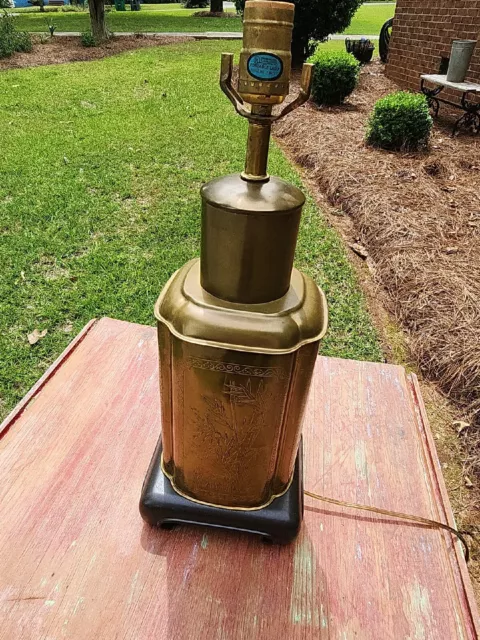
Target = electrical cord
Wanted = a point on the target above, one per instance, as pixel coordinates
(432, 524)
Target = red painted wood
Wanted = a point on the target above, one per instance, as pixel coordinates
(77, 561)
(17, 411)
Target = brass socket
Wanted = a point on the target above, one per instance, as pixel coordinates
(265, 59)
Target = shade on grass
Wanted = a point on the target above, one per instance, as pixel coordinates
(102, 163)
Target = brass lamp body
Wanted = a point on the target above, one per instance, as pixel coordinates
(238, 329)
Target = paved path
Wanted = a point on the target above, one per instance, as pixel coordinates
(206, 35)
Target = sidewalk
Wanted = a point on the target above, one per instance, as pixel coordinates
(206, 35)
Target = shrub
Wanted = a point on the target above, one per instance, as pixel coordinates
(12, 40)
(400, 121)
(314, 21)
(195, 4)
(335, 76)
(7, 35)
(88, 39)
(23, 42)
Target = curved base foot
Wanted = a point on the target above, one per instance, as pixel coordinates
(279, 523)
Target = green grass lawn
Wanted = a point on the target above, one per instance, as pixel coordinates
(167, 18)
(369, 19)
(102, 163)
(162, 18)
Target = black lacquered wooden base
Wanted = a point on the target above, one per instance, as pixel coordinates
(279, 523)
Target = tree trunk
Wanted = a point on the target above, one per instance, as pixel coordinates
(97, 20)
(299, 51)
(42, 6)
(216, 6)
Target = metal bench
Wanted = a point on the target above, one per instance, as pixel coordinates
(470, 119)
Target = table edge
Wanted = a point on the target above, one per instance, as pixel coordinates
(17, 411)
(463, 580)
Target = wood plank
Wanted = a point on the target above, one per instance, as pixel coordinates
(78, 562)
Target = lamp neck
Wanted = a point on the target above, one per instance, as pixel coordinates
(257, 146)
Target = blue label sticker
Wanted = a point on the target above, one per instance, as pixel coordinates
(265, 66)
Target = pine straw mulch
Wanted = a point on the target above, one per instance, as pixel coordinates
(418, 217)
(62, 49)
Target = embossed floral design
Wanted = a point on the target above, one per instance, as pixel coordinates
(232, 429)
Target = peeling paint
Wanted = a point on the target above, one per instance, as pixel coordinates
(425, 546)
(303, 607)
(358, 552)
(204, 543)
(133, 584)
(327, 457)
(49, 603)
(361, 459)
(190, 565)
(461, 635)
(417, 609)
(79, 602)
(323, 618)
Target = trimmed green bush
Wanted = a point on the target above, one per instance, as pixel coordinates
(400, 121)
(335, 76)
(88, 39)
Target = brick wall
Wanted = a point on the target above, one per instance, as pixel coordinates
(423, 31)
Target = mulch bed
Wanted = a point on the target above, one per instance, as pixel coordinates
(215, 14)
(418, 217)
(61, 49)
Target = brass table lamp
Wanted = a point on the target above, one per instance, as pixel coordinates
(239, 328)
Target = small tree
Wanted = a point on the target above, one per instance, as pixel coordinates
(38, 3)
(314, 21)
(97, 20)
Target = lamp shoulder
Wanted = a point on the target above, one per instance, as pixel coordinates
(279, 326)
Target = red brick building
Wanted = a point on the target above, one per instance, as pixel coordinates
(422, 33)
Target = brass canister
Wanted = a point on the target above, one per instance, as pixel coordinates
(238, 333)
(265, 59)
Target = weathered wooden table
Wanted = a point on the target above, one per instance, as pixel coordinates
(77, 561)
(471, 108)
